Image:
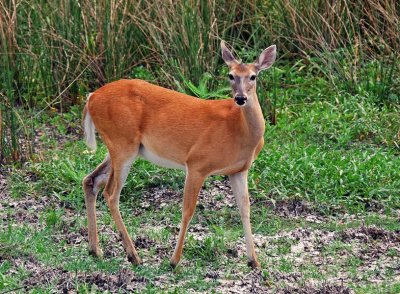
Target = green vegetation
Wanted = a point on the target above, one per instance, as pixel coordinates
(53, 53)
(325, 188)
(337, 157)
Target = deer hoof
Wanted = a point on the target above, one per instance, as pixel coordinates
(134, 259)
(254, 264)
(173, 262)
(96, 253)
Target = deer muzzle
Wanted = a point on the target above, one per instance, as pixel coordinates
(240, 100)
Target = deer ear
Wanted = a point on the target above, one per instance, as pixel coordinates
(266, 58)
(227, 55)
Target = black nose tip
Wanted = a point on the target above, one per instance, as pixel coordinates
(240, 100)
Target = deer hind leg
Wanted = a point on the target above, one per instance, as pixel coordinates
(92, 184)
(120, 169)
(193, 184)
(239, 187)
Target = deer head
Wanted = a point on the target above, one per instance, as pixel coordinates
(243, 76)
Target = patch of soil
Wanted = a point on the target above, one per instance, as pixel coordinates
(158, 197)
(26, 210)
(75, 238)
(62, 281)
(368, 234)
(162, 251)
(309, 247)
(143, 242)
(252, 282)
(289, 280)
(290, 207)
(371, 246)
(212, 274)
(216, 196)
(123, 281)
(324, 289)
(38, 274)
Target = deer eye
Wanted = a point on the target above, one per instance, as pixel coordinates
(253, 77)
(231, 77)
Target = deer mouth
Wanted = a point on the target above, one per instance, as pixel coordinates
(240, 100)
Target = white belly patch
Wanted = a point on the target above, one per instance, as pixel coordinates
(154, 158)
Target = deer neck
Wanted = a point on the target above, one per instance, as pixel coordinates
(254, 119)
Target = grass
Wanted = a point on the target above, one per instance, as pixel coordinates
(338, 154)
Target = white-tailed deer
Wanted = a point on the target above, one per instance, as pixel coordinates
(204, 137)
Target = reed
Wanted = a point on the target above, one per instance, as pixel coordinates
(355, 44)
(53, 52)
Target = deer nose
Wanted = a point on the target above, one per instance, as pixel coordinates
(240, 100)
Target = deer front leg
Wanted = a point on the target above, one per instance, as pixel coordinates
(239, 187)
(193, 184)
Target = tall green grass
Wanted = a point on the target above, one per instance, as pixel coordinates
(54, 52)
(353, 44)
